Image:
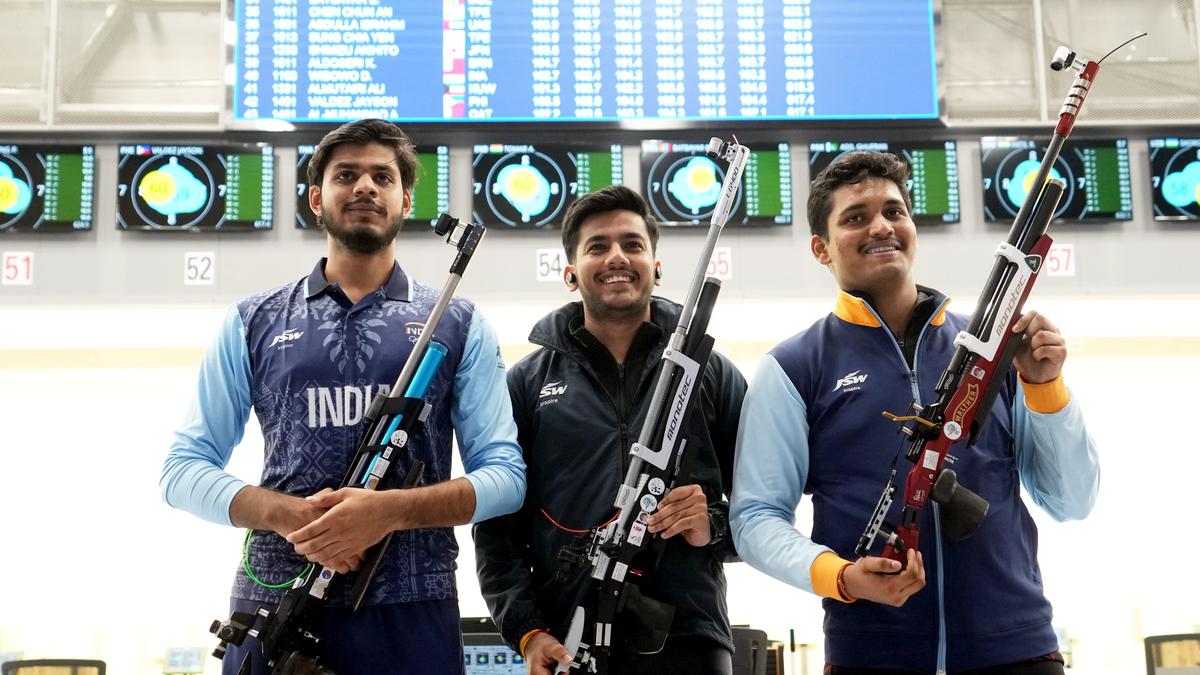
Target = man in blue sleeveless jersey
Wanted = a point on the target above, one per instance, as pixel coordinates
(580, 400)
(309, 357)
(811, 424)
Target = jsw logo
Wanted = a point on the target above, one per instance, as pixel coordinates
(553, 389)
(286, 336)
(851, 379)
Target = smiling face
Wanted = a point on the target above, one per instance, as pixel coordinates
(871, 242)
(361, 201)
(614, 266)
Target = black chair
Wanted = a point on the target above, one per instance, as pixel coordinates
(1173, 654)
(53, 667)
(749, 651)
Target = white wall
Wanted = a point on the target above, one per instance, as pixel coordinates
(95, 565)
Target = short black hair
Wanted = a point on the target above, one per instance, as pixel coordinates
(362, 132)
(611, 198)
(850, 169)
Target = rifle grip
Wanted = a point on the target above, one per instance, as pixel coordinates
(906, 538)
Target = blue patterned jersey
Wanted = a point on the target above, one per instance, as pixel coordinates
(309, 362)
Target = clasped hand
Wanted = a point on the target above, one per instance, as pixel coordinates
(353, 521)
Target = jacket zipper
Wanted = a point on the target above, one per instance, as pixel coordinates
(937, 520)
(621, 409)
(937, 542)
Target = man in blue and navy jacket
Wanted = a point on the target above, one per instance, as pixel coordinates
(811, 424)
(309, 357)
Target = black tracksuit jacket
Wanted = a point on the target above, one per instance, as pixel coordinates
(577, 414)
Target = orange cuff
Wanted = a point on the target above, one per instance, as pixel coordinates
(1046, 398)
(825, 573)
(526, 637)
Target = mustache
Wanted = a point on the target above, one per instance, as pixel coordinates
(884, 242)
(366, 202)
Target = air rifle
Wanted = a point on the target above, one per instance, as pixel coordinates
(287, 633)
(982, 357)
(624, 550)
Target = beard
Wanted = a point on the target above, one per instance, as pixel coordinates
(362, 240)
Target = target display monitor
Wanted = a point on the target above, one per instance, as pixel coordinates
(527, 186)
(560, 61)
(195, 188)
(1095, 173)
(430, 196)
(1175, 178)
(46, 188)
(933, 171)
(682, 184)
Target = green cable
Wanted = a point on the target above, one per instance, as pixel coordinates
(260, 582)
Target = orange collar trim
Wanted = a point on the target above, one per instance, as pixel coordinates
(855, 310)
(940, 317)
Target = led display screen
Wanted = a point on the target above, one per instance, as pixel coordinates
(46, 188)
(682, 184)
(1095, 173)
(527, 186)
(933, 173)
(195, 187)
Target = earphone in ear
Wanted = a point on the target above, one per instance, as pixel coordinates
(658, 273)
(571, 278)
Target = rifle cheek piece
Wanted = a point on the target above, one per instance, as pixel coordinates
(962, 510)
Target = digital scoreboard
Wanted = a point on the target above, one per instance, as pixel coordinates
(582, 60)
(46, 188)
(195, 187)
(682, 184)
(430, 196)
(1095, 173)
(933, 173)
(527, 186)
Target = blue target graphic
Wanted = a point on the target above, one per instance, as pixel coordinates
(1175, 178)
(695, 184)
(526, 188)
(1020, 183)
(1009, 175)
(523, 187)
(16, 193)
(682, 184)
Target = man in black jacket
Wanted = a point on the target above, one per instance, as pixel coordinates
(579, 402)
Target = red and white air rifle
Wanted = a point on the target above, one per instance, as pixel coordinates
(982, 357)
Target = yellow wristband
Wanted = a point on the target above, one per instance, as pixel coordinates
(528, 636)
(826, 573)
(1046, 398)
